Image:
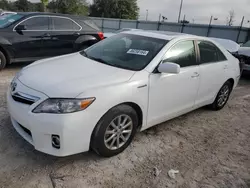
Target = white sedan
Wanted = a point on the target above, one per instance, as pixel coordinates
(100, 97)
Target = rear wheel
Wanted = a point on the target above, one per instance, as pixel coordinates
(2, 61)
(222, 96)
(115, 131)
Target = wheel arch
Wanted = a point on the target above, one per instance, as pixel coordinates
(85, 39)
(231, 80)
(133, 105)
(6, 54)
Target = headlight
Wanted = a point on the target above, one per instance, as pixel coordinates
(63, 106)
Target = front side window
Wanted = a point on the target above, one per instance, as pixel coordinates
(127, 51)
(64, 24)
(209, 53)
(183, 54)
(37, 23)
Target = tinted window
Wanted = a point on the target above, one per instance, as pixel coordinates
(126, 51)
(182, 53)
(209, 52)
(64, 24)
(37, 23)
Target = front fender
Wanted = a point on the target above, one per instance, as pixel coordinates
(4, 41)
(108, 97)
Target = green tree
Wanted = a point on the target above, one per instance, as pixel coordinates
(45, 4)
(124, 9)
(69, 6)
(22, 5)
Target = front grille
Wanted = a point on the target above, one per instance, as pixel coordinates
(24, 98)
(25, 130)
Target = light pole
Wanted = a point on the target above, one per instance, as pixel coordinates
(210, 22)
(147, 15)
(180, 11)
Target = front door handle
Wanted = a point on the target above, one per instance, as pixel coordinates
(46, 35)
(76, 34)
(195, 75)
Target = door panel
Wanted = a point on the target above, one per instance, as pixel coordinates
(172, 94)
(64, 33)
(213, 65)
(29, 42)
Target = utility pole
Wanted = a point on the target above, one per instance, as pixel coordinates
(147, 15)
(159, 17)
(180, 11)
(238, 36)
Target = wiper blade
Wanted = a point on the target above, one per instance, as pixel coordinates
(99, 60)
(84, 53)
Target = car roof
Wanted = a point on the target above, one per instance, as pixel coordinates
(166, 35)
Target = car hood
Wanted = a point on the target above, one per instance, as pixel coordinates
(70, 75)
(244, 51)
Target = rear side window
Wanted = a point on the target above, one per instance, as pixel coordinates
(209, 53)
(183, 53)
(64, 24)
(37, 23)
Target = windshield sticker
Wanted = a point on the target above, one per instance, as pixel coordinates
(11, 20)
(137, 52)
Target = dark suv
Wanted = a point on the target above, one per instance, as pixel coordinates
(33, 36)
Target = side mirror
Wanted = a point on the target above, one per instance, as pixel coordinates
(20, 28)
(168, 67)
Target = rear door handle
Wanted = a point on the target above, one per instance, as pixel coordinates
(195, 75)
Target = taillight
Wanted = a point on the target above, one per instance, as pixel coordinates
(100, 34)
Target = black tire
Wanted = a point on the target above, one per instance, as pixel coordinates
(2, 61)
(98, 136)
(217, 105)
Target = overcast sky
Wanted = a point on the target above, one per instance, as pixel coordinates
(198, 11)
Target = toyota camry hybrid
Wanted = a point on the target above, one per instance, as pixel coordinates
(98, 98)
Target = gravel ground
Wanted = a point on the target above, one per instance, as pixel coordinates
(210, 149)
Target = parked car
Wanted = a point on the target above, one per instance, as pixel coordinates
(244, 53)
(33, 36)
(233, 48)
(110, 34)
(98, 98)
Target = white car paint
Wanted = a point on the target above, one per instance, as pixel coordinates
(159, 96)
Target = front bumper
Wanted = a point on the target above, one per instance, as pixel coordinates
(74, 129)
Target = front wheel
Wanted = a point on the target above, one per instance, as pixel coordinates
(2, 61)
(115, 131)
(222, 96)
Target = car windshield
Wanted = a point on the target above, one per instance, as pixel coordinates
(6, 20)
(247, 44)
(127, 51)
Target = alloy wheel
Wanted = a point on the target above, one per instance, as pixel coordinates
(118, 132)
(223, 95)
